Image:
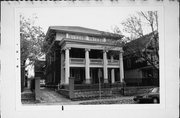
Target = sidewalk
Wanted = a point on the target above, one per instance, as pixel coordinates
(51, 97)
(27, 97)
(48, 97)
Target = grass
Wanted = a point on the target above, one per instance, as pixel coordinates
(123, 101)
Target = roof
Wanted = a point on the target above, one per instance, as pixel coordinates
(138, 44)
(83, 30)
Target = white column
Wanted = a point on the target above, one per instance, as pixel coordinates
(54, 71)
(112, 59)
(67, 35)
(62, 68)
(105, 66)
(67, 73)
(112, 76)
(87, 70)
(121, 67)
(112, 72)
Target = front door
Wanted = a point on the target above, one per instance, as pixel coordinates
(94, 75)
(79, 74)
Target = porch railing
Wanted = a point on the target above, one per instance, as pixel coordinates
(114, 62)
(96, 61)
(77, 61)
(92, 61)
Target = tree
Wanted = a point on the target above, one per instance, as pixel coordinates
(135, 25)
(31, 39)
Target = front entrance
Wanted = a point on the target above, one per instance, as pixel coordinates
(95, 73)
(78, 73)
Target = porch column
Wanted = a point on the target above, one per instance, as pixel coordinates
(54, 64)
(87, 70)
(67, 35)
(105, 66)
(62, 67)
(112, 76)
(67, 73)
(112, 72)
(121, 67)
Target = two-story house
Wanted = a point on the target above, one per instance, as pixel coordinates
(82, 53)
(141, 61)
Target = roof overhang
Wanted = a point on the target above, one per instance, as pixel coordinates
(74, 43)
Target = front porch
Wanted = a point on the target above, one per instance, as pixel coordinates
(88, 66)
(96, 75)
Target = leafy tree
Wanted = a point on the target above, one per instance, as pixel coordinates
(31, 39)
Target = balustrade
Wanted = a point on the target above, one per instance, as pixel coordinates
(114, 62)
(92, 61)
(77, 61)
(96, 61)
(90, 38)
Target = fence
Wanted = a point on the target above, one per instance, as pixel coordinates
(142, 81)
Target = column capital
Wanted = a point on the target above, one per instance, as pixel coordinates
(105, 50)
(121, 54)
(121, 51)
(66, 48)
(87, 49)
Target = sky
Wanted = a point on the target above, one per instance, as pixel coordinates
(100, 18)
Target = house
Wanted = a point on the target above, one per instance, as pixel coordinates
(82, 53)
(39, 71)
(141, 61)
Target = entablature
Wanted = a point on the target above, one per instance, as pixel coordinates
(71, 43)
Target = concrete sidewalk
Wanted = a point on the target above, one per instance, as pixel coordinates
(50, 96)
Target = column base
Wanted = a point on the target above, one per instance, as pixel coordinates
(88, 81)
(105, 80)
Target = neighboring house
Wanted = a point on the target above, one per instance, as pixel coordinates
(84, 54)
(39, 69)
(141, 61)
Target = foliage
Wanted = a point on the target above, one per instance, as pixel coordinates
(136, 25)
(133, 25)
(31, 39)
